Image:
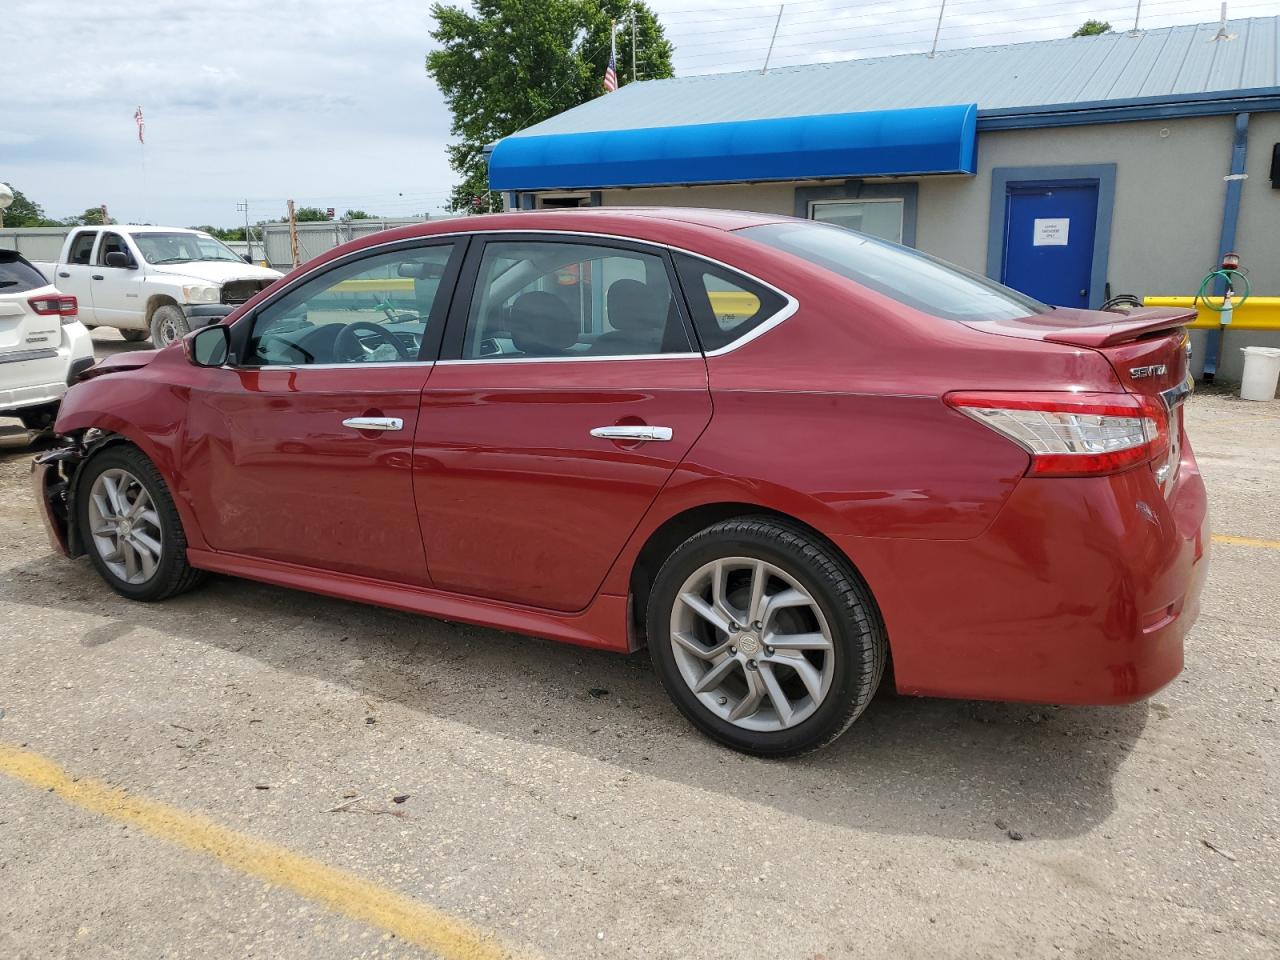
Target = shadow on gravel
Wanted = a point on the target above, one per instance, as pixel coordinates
(935, 767)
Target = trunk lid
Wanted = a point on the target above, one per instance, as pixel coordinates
(23, 332)
(1146, 348)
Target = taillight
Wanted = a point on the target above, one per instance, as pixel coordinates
(1073, 434)
(59, 305)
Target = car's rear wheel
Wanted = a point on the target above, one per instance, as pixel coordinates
(168, 324)
(135, 336)
(130, 526)
(765, 637)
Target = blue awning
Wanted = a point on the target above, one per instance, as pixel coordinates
(921, 140)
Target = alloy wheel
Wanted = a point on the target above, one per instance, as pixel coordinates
(752, 644)
(125, 526)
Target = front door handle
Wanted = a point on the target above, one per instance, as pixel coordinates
(63, 273)
(374, 423)
(640, 433)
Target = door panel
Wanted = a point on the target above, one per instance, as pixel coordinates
(75, 277)
(1049, 237)
(119, 298)
(280, 477)
(517, 500)
(290, 460)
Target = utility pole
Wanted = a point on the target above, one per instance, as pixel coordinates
(244, 205)
(633, 43)
(937, 31)
(1136, 15)
(293, 235)
(776, 23)
(103, 210)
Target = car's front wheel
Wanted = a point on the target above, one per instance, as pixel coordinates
(130, 527)
(168, 324)
(765, 637)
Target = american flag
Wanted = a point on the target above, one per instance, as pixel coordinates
(142, 125)
(611, 71)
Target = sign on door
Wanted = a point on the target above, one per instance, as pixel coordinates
(1050, 232)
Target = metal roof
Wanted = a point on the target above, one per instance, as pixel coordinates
(1168, 65)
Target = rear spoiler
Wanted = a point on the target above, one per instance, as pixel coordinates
(1126, 327)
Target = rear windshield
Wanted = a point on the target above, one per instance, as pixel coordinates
(908, 276)
(16, 275)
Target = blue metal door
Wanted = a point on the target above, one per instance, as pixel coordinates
(1048, 240)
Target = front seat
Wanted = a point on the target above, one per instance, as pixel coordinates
(542, 325)
(638, 317)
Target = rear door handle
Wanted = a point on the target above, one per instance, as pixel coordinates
(64, 274)
(97, 276)
(374, 423)
(632, 433)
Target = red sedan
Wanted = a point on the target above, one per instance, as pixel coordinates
(780, 453)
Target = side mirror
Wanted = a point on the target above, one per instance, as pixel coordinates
(117, 258)
(208, 346)
(246, 258)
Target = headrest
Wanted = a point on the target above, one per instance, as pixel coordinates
(542, 324)
(634, 308)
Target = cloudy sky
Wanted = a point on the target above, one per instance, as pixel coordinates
(327, 101)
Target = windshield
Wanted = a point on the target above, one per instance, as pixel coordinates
(908, 276)
(182, 248)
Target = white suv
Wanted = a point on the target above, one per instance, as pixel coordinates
(43, 344)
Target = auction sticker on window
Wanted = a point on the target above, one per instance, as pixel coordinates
(1050, 232)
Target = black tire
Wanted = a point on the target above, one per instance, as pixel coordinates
(168, 324)
(859, 644)
(136, 336)
(173, 575)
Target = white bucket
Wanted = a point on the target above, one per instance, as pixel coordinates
(1261, 373)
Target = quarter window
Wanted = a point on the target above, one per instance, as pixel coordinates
(543, 298)
(375, 310)
(725, 305)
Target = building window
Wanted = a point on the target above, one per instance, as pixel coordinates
(880, 217)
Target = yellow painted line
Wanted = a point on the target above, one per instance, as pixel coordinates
(1246, 541)
(341, 892)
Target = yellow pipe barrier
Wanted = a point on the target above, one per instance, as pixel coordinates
(1258, 313)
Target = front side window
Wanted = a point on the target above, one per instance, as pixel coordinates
(912, 278)
(374, 310)
(880, 218)
(111, 243)
(726, 305)
(168, 248)
(544, 298)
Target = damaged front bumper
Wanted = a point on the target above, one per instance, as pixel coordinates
(53, 477)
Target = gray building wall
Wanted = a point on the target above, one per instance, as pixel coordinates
(1169, 197)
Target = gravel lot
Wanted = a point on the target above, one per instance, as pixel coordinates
(556, 799)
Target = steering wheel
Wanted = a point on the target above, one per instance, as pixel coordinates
(347, 346)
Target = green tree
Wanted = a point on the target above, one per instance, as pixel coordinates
(359, 215)
(222, 233)
(25, 212)
(309, 214)
(1092, 28)
(509, 64)
(92, 217)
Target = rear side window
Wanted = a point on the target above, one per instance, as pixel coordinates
(726, 306)
(18, 276)
(82, 247)
(908, 276)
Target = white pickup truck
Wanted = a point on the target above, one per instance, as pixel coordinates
(142, 280)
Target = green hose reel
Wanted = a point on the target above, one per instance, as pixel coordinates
(1227, 305)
